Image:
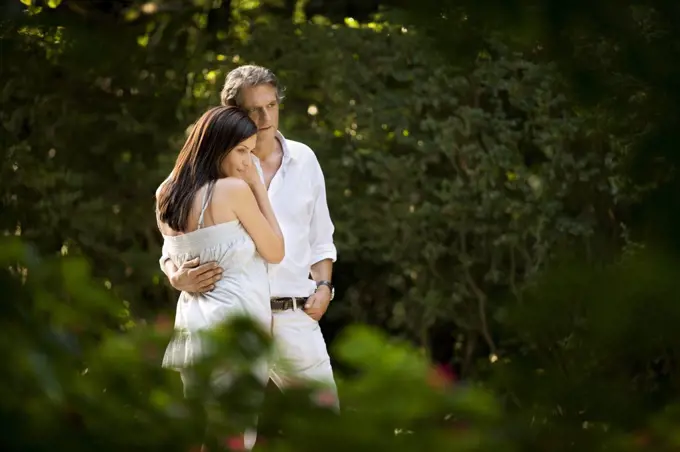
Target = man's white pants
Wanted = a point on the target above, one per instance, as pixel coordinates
(300, 351)
(300, 356)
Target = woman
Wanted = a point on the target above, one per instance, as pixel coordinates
(214, 206)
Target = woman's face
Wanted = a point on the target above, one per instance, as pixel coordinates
(240, 158)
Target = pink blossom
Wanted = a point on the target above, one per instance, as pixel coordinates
(235, 442)
(441, 376)
(163, 324)
(325, 398)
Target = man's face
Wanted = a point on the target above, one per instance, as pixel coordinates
(263, 108)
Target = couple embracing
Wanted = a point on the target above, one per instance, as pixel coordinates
(245, 224)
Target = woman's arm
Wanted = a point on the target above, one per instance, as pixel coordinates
(255, 212)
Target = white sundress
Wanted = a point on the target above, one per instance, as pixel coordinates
(243, 289)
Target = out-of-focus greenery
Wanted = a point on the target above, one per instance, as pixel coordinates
(575, 382)
(621, 59)
(501, 176)
(72, 383)
(478, 170)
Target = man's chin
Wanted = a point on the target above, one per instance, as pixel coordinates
(265, 138)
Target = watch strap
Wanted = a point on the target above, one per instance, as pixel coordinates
(327, 284)
(324, 283)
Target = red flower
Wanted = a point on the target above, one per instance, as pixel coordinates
(151, 352)
(235, 443)
(641, 438)
(163, 324)
(441, 376)
(325, 398)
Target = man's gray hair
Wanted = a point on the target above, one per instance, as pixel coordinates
(245, 76)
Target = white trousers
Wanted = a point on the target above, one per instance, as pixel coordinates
(300, 352)
(300, 355)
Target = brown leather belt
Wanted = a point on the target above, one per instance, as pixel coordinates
(285, 303)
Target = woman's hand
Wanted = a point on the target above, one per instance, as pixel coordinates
(251, 175)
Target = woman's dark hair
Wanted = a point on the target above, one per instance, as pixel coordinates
(211, 139)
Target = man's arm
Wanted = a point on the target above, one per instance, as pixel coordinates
(318, 302)
(322, 270)
(324, 253)
(190, 276)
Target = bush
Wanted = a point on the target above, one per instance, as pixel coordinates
(73, 383)
(80, 375)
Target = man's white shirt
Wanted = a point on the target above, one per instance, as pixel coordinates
(298, 196)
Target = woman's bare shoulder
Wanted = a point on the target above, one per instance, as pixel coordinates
(232, 185)
(230, 189)
(162, 186)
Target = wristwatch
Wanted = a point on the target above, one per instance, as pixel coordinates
(327, 284)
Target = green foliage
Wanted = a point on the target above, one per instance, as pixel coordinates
(478, 171)
(71, 382)
(622, 61)
(65, 388)
(601, 345)
(451, 184)
(480, 208)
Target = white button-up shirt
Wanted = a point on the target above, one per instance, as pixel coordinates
(298, 196)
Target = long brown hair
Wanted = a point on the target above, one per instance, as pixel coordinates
(213, 136)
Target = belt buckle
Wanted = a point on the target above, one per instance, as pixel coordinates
(294, 303)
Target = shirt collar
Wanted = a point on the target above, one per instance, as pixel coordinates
(289, 153)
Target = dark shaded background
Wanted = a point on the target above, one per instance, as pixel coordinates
(501, 173)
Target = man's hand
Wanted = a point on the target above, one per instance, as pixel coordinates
(191, 277)
(318, 302)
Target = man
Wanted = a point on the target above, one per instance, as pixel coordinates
(296, 188)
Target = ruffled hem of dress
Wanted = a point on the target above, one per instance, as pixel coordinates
(184, 350)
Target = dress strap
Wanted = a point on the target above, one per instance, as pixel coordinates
(207, 195)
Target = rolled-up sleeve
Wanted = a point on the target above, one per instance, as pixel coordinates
(321, 227)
